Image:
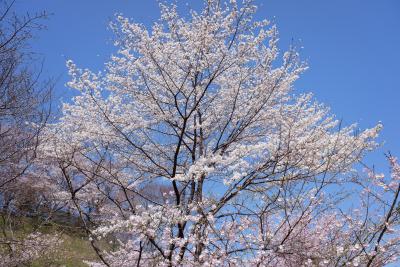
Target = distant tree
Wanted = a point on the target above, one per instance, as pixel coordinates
(252, 175)
(24, 110)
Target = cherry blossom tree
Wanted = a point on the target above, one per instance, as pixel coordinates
(192, 149)
(24, 110)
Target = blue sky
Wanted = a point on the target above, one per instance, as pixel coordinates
(352, 48)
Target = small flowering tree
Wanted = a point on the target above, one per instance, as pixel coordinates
(192, 150)
(24, 251)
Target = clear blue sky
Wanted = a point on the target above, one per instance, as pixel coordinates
(351, 46)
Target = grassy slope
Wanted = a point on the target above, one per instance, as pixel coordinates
(72, 252)
(74, 249)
